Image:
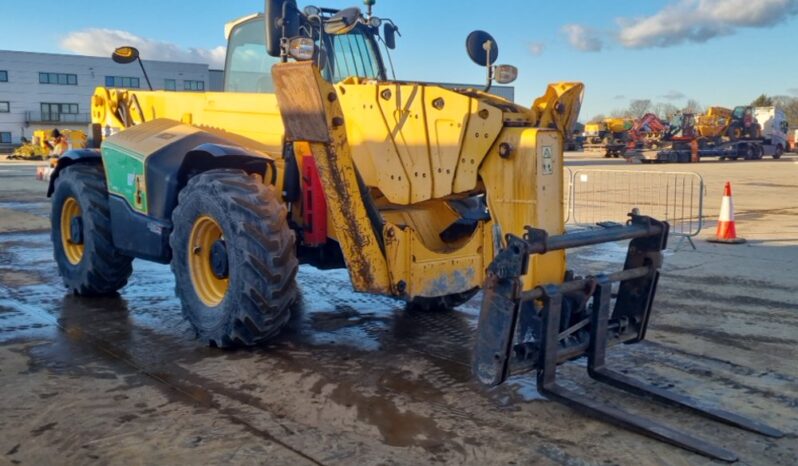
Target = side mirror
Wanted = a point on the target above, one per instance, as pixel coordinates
(282, 20)
(389, 34)
(482, 48)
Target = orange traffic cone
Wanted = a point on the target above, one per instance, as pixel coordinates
(726, 232)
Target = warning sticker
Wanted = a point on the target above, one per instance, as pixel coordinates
(548, 160)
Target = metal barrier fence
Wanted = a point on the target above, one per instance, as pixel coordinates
(609, 195)
(568, 176)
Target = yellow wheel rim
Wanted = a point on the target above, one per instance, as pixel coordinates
(209, 288)
(73, 251)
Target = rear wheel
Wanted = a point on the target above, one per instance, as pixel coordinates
(234, 258)
(779, 152)
(84, 250)
(441, 303)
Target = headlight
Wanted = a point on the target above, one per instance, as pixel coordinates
(375, 22)
(301, 48)
(312, 11)
(505, 74)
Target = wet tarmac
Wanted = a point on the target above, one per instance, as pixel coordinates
(358, 379)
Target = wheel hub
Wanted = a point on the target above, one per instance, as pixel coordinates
(207, 261)
(71, 230)
(218, 259)
(76, 230)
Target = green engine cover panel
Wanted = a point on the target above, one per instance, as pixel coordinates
(143, 163)
(124, 173)
(127, 154)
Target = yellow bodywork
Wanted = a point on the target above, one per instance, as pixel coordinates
(600, 129)
(714, 122)
(594, 129)
(416, 149)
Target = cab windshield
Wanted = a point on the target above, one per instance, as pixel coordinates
(248, 65)
(351, 54)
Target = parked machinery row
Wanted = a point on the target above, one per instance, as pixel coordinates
(746, 132)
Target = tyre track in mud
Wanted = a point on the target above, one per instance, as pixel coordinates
(194, 389)
(193, 394)
(191, 387)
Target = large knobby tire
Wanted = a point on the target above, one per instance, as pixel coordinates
(84, 250)
(441, 303)
(234, 258)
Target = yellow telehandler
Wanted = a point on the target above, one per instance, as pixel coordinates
(422, 193)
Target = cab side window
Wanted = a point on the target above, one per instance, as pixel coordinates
(249, 67)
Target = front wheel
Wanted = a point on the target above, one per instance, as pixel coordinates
(84, 250)
(234, 258)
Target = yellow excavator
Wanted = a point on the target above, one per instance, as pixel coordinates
(422, 193)
(714, 123)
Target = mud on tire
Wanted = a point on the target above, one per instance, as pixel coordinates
(259, 250)
(99, 268)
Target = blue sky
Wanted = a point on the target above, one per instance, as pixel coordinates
(719, 52)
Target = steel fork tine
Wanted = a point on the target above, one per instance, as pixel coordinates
(547, 384)
(597, 370)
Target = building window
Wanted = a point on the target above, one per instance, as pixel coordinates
(3, 76)
(170, 84)
(190, 85)
(5, 137)
(125, 82)
(53, 112)
(5, 107)
(62, 79)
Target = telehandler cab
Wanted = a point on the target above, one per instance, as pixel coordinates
(312, 155)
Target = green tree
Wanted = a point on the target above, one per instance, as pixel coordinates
(791, 112)
(762, 101)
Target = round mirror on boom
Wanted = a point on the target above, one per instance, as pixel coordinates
(343, 21)
(125, 55)
(482, 48)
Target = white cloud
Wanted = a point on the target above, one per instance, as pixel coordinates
(583, 38)
(101, 42)
(673, 95)
(702, 20)
(536, 48)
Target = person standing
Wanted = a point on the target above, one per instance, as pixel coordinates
(694, 151)
(59, 144)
